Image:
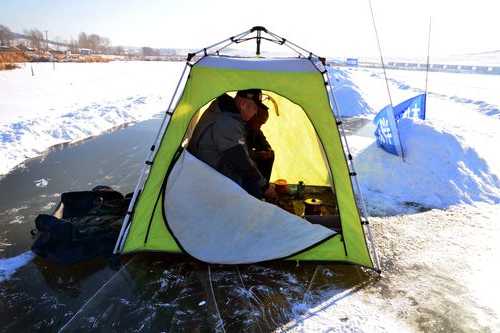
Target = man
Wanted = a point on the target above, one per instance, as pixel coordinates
(219, 140)
(259, 148)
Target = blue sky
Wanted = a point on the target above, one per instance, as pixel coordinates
(327, 27)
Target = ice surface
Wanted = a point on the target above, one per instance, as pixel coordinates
(41, 182)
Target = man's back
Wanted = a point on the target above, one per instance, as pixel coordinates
(219, 140)
(216, 132)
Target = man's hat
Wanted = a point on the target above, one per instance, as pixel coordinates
(253, 94)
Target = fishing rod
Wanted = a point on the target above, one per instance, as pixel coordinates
(385, 72)
(427, 67)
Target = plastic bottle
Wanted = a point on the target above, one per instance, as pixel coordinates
(300, 190)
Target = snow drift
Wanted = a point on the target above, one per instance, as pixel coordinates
(348, 94)
(440, 169)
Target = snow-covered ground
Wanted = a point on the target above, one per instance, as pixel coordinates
(73, 101)
(451, 157)
(439, 275)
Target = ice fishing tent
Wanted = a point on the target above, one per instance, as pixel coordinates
(182, 205)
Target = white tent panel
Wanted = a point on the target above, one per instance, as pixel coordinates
(216, 221)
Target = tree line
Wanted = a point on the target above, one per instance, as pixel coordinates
(36, 40)
(98, 44)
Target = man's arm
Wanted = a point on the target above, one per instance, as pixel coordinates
(239, 160)
(261, 142)
(231, 143)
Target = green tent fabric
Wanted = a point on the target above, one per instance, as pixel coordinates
(308, 139)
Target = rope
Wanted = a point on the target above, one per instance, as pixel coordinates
(221, 322)
(241, 278)
(310, 283)
(93, 296)
(250, 292)
(312, 279)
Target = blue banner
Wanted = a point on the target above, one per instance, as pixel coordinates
(411, 108)
(387, 131)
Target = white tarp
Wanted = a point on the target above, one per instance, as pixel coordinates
(216, 221)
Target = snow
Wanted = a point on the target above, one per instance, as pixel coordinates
(9, 266)
(75, 101)
(437, 276)
(441, 169)
(451, 157)
(41, 182)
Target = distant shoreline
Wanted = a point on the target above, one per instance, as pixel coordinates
(10, 58)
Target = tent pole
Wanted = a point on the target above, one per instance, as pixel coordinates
(364, 211)
(258, 43)
(306, 53)
(140, 183)
(278, 39)
(222, 42)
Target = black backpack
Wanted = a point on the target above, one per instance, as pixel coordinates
(85, 225)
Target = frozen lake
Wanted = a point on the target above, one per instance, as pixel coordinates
(439, 265)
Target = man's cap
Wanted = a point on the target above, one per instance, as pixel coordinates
(253, 94)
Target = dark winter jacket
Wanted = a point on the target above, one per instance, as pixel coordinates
(219, 140)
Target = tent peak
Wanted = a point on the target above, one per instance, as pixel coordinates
(257, 33)
(258, 28)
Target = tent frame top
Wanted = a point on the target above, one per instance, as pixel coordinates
(261, 33)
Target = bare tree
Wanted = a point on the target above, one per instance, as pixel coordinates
(148, 51)
(105, 45)
(119, 50)
(73, 45)
(83, 41)
(94, 41)
(5, 35)
(59, 41)
(35, 38)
